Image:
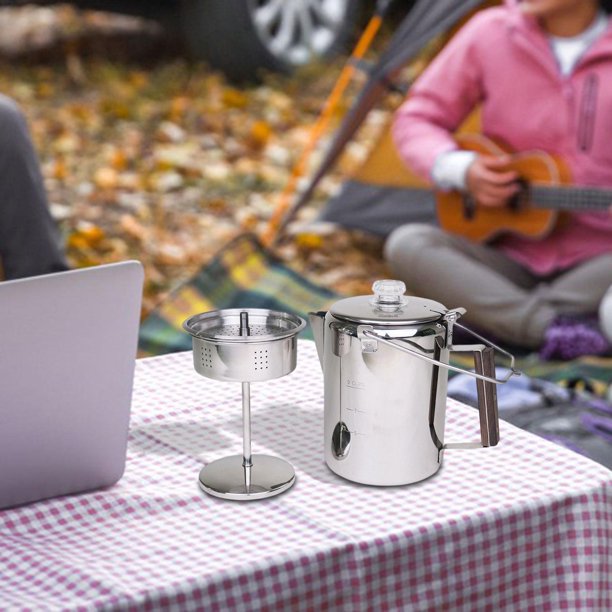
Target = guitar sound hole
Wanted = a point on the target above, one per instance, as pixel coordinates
(469, 207)
(521, 198)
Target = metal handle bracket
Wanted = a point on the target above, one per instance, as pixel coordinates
(484, 362)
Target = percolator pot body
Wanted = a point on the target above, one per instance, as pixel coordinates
(385, 361)
(384, 410)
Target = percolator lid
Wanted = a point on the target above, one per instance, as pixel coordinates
(388, 306)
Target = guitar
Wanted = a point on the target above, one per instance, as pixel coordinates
(533, 212)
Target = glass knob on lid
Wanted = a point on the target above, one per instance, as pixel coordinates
(389, 294)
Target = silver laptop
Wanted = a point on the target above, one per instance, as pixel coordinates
(68, 346)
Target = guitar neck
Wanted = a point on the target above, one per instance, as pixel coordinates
(569, 197)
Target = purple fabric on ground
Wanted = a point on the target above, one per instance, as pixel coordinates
(569, 338)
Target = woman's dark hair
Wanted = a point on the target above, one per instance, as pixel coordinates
(606, 5)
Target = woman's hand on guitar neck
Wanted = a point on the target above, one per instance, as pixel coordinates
(490, 182)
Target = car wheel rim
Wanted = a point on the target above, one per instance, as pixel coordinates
(295, 31)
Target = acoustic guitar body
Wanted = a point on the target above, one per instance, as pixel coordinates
(459, 214)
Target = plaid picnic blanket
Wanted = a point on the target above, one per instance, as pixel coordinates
(590, 374)
(242, 275)
(587, 374)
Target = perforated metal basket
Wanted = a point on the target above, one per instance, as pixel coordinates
(244, 344)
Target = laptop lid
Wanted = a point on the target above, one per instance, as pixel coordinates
(68, 345)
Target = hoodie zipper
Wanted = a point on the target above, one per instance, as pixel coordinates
(588, 102)
(587, 112)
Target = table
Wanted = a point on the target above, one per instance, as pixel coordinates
(523, 525)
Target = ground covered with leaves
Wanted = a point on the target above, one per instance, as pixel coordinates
(163, 160)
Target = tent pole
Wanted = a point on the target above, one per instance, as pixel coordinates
(329, 107)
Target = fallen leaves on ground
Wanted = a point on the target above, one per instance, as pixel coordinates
(165, 162)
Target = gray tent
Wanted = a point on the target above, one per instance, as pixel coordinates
(373, 207)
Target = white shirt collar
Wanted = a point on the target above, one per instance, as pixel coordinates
(568, 50)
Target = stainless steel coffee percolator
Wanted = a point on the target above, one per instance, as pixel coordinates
(385, 361)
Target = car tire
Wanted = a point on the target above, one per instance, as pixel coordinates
(226, 33)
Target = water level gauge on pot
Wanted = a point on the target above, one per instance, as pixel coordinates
(245, 345)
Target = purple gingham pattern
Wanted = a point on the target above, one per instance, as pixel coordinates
(524, 525)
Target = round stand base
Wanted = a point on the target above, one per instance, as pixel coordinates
(228, 478)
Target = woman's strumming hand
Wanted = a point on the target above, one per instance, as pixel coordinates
(490, 182)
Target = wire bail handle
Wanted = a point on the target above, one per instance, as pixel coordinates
(484, 361)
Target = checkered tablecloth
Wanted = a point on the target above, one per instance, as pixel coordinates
(524, 525)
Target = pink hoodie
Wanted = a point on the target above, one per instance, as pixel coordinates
(503, 60)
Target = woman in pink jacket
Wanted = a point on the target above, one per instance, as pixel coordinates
(542, 71)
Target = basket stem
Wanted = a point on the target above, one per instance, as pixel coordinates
(246, 431)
